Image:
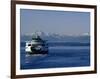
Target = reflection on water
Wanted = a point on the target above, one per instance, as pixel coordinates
(62, 56)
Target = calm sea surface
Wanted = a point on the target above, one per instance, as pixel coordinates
(58, 56)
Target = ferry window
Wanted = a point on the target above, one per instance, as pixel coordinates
(29, 44)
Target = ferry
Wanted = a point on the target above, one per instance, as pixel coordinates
(36, 46)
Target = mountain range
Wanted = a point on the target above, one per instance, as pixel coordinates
(85, 37)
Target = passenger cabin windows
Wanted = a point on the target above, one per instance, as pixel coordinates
(29, 44)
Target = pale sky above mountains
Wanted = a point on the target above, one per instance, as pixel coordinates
(58, 22)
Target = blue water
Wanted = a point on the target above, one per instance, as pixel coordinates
(69, 55)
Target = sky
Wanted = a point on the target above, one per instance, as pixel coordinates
(59, 22)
